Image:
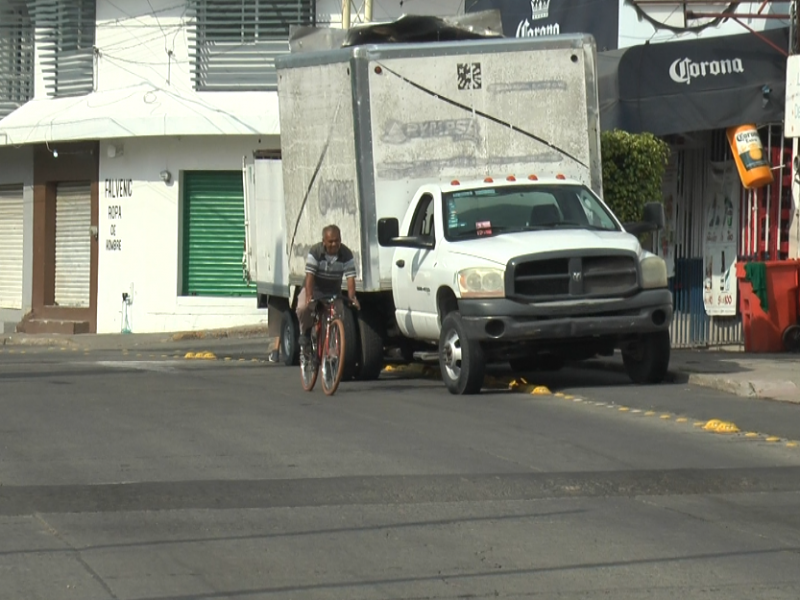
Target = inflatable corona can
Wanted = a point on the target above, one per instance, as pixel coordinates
(751, 161)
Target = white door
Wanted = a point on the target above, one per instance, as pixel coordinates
(415, 297)
(270, 215)
(73, 244)
(11, 223)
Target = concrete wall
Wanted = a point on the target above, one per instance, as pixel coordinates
(148, 227)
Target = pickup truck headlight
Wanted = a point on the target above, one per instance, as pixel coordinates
(482, 282)
(654, 272)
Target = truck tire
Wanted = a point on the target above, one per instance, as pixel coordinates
(648, 361)
(461, 360)
(289, 346)
(371, 345)
(352, 363)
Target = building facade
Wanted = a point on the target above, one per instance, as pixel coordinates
(123, 130)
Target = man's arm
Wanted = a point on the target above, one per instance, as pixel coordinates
(311, 270)
(351, 291)
(350, 274)
(309, 286)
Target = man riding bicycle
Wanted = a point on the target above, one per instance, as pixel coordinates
(328, 262)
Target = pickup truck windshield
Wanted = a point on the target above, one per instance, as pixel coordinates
(506, 209)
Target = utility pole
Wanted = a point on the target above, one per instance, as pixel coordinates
(354, 12)
(794, 25)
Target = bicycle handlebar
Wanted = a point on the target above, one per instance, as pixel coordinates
(332, 299)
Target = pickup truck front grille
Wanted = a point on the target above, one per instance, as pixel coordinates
(564, 276)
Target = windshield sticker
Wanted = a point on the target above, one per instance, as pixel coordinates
(483, 228)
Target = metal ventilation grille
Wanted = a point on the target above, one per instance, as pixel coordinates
(235, 42)
(16, 56)
(65, 36)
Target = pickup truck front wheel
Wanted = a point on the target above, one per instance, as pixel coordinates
(647, 360)
(461, 360)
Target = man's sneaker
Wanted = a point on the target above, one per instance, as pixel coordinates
(304, 341)
(275, 356)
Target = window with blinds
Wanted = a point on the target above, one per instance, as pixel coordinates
(65, 36)
(16, 56)
(236, 41)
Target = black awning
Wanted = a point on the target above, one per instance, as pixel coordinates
(694, 85)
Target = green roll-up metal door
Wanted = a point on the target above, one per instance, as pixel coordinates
(213, 234)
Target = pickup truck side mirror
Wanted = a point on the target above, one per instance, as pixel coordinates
(653, 219)
(388, 235)
(654, 214)
(388, 230)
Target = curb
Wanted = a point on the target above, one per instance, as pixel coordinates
(243, 332)
(783, 391)
(760, 389)
(114, 340)
(23, 340)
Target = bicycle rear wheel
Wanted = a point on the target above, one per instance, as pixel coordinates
(333, 358)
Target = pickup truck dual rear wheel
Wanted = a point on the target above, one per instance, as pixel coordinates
(289, 347)
(461, 360)
(647, 361)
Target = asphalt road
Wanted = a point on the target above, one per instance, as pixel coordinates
(146, 476)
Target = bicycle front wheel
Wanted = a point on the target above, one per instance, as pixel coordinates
(309, 369)
(333, 357)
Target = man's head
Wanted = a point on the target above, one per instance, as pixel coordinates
(332, 239)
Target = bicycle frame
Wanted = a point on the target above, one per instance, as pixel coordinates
(323, 342)
(324, 313)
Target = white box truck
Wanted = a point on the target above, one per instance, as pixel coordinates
(466, 178)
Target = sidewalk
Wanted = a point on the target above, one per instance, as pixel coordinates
(763, 376)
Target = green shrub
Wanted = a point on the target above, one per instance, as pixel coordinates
(633, 170)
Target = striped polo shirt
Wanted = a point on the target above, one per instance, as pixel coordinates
(329, 271)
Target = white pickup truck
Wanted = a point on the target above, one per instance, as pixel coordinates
(532, 271)
(529, 267)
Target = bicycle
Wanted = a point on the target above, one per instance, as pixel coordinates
(327, 348)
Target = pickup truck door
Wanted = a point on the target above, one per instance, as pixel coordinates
(412, 276)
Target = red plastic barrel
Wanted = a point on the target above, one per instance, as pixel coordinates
(763, 331)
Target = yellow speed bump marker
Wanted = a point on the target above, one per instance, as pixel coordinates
(541, 390)
(717, 426)
(791, 444)
(773, 438)
(208, 356)
(190, 355)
